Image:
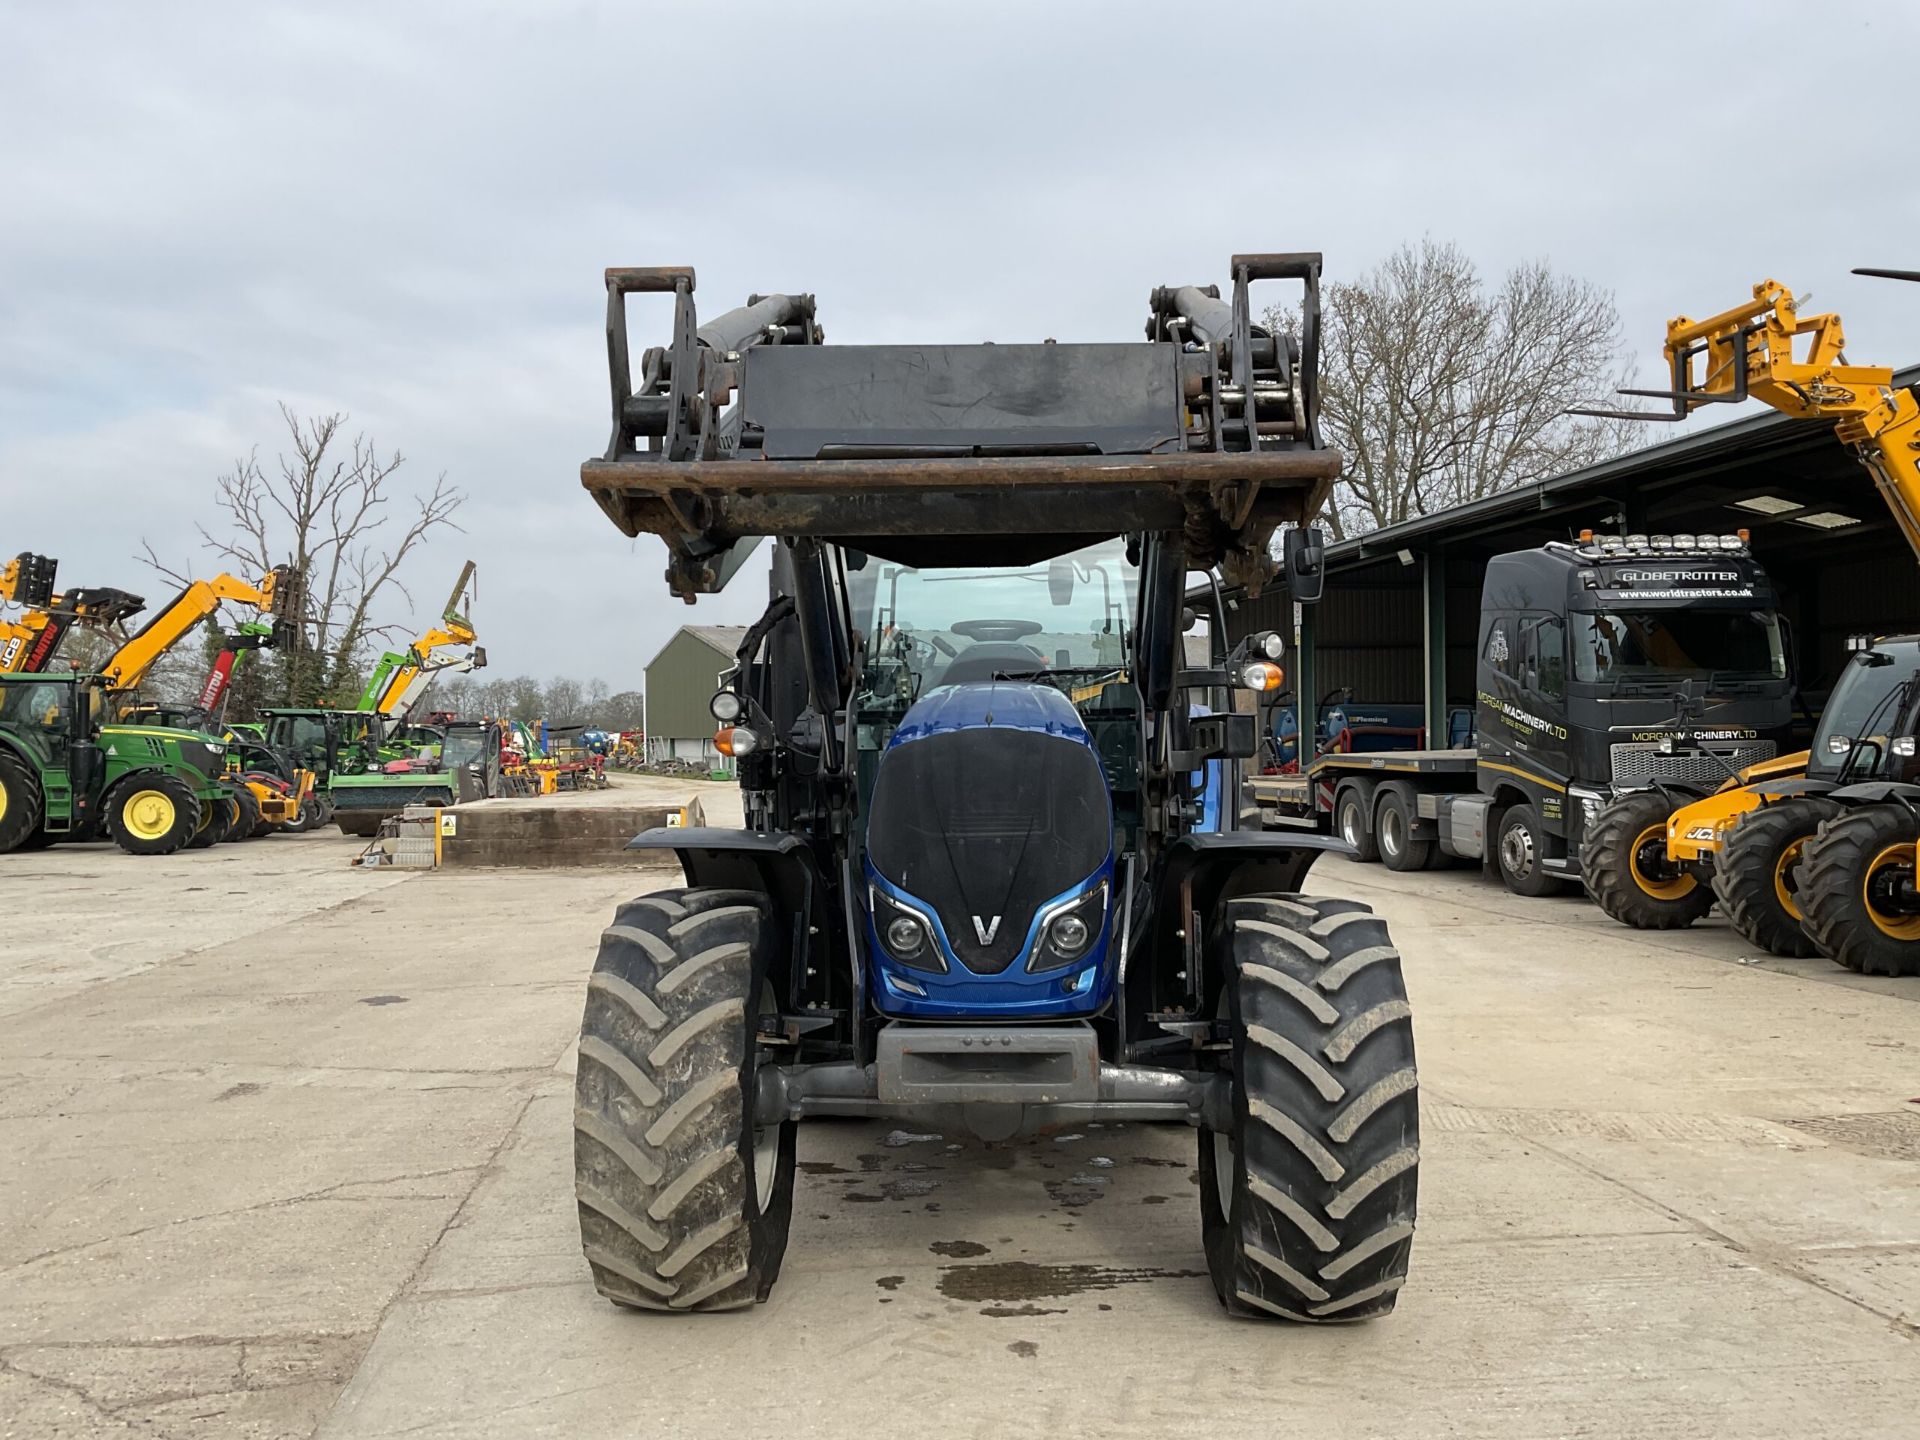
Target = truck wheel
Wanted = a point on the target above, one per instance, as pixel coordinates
(1754, 877)
(1856, 885)
(1307, 1200)
(1520, 849)
(21, 804)
(684, 1196)
(1625, 867)
(1351, 824)
(1401, 846)
(152, 814)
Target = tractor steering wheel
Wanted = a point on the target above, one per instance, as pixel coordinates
(996, 629)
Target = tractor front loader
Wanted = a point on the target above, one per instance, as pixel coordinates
(978, 887)
(1814, 851)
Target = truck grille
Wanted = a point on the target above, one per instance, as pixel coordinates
(1642, 764)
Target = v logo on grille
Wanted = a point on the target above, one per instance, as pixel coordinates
(987, 929)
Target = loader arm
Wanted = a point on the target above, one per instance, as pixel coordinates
(185, 613)
(750, 426)
(400, 674)
(1767, 350)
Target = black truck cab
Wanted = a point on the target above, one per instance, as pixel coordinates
(1618, 662)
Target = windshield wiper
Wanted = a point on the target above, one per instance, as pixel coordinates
(1050, 670)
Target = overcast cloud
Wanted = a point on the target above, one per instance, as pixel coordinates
(402, 211)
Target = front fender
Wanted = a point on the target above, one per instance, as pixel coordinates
(1877, 792)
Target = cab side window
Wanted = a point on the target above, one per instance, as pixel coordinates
(1543, 649)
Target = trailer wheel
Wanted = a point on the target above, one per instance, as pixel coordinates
(1402, 846)
(1352, 824)
(1856, 885)
(684, 1193)
(1625, 867)
(21, 804)
(1520, 850)
(1755, 876)
(1307, 1200)
(153, 813)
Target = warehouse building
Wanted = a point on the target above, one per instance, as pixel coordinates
(681, 680)
(1398, 623)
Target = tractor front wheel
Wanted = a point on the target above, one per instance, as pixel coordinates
(1625, 867)
(1856, 888)
(684, 1189)
(1307, 1199)
(153, 814)
(1755, 877)
(21, 803)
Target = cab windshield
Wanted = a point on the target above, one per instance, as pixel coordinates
(1064, 620)
(1865, 708)
(1688, 644)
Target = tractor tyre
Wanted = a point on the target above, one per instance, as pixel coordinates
(684, 1196)
(42, 839)
(250, 826)
(153, 813)
(1855, 886)
(1624, 866)
(22, 806)
(1755, 877)
(217, 823)
(311, 817)
(1402, 846)
(1307, 1201)
(1351, 822)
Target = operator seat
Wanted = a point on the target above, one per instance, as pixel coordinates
(984, 659)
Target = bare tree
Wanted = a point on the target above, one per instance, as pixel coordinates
(327, 513)
(1438, 390)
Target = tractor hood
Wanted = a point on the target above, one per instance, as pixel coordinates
(989, 802)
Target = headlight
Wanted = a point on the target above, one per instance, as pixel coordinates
(1069, 935)
(213, 749)
(1839, 744)
(905, 934)
(1068, 930)
(1903, 746)
(726, 707)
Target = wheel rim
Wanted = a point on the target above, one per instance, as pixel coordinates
(1516, 850)
(1350, 824)
(149, 814)
(1886, 869)
(1783, 887)
(1223, 1147)
(3, 800)
(766, 1138)
(1392, 828)
(1652, 871)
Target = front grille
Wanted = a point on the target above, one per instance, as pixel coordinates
(1640, 763)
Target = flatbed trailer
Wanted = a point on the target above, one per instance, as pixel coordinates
(1438, 805)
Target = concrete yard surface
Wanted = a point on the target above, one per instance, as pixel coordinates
(287, 1153)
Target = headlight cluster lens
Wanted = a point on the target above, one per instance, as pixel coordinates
(1839, 744)
(1069, 932)
(905, 934)
(726, 707)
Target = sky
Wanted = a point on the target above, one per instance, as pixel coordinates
(402, 212)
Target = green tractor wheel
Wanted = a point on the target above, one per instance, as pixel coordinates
(153, 814)
(20, 802)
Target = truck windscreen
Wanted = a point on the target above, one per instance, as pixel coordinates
(1697, 643)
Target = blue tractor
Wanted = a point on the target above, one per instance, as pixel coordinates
(982, 883)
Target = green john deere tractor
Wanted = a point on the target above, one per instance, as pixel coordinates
(64, 775)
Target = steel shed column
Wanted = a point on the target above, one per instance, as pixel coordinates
(1433, 594)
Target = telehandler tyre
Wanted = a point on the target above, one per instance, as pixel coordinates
(21, 803)
(217, 821)
(1856, 882)
(249, 826)
(152, 814)
(1624, 865)
(1307, 1201)
(684, 1197)
(1754, 876)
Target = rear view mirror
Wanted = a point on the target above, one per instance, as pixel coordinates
(1304, 563)
(1060, 581)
